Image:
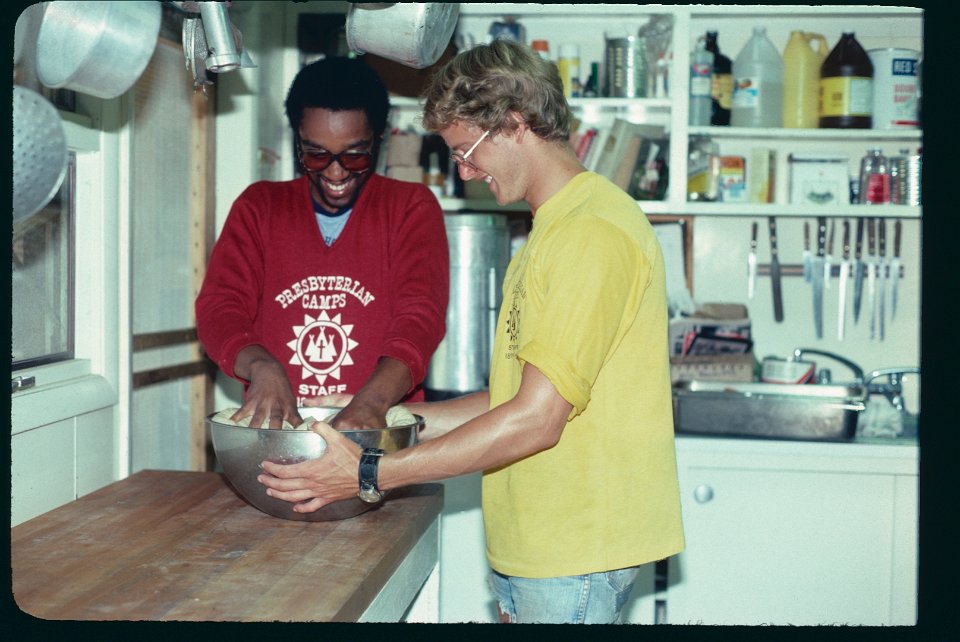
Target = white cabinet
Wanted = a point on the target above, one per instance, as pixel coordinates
(790, 533)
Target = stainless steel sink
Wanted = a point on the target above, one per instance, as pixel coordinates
(817, 412)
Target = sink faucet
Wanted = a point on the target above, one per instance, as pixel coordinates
(892, 389)
(857, 371)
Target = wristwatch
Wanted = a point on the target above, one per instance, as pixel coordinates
(369, 461)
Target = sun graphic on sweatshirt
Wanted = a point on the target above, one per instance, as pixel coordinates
(322, 346)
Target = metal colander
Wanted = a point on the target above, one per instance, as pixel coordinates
(39, 152)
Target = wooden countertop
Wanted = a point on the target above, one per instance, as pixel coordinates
(171, 545)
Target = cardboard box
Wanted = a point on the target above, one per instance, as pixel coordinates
(761, 170)
(711, 319)
(731, 367)
(733, 179)
(403, 149)
(819, 179)
(403, 173)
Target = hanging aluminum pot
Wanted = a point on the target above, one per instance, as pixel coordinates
(414, 34)
(96, 48)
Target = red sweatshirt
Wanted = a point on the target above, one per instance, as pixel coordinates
(328, 313)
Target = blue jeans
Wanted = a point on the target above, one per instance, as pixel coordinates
(595, 598)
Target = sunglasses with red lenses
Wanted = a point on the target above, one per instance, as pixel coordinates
(317, 160)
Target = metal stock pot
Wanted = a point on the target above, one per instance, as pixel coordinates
(414, 34)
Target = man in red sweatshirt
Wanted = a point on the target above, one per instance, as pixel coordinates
(336, 281)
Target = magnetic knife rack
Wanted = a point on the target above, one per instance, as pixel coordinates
(796, 269)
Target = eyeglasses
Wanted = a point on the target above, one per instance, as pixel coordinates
(317, 160)
(462, 158)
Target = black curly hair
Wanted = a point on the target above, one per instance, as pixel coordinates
(339, 84)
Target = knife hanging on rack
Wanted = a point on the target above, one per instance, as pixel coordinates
(844, 276)
(775, 272)
(752, 262)
(895, 270)
(858, 269)
(882, 276)
(872, 275)
(817, 276)
(828, 260)
(807, 257)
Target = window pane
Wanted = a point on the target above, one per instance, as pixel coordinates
(42, 280)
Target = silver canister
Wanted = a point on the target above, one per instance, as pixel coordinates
(626, 67)
(479, 255)
(905, 178)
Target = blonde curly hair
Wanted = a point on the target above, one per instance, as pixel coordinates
(482, 85)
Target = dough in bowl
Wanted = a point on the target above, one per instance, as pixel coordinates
(223, 417)
(396, 416)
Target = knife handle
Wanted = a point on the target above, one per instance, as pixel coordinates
(858, 250)
(896, 239)
(882, 237)
(871, 236)
(846, 239)
(775, 272)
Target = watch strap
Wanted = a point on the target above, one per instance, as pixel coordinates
(367, 474)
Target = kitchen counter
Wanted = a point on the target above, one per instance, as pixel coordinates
(172, 545)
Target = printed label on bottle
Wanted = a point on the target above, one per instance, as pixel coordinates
(701, 83)
(746, 93)
(846, 96)
(722, 89)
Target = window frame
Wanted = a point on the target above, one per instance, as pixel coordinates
(90, 380)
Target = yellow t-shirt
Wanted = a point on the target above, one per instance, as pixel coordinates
(585, 303)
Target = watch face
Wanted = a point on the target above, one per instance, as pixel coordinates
(370, 495)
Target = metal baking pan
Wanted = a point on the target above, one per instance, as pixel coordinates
(813, 412)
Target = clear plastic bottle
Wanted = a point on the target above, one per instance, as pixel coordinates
(846, 86)
(721, 90)
(757, 84)
(701, 73)
(874, 178)
(801, 79)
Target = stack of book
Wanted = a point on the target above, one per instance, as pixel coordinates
(631, 155)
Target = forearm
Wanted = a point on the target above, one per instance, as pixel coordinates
(251, 358)
(530, 422)
(387, 385)
(440, 417)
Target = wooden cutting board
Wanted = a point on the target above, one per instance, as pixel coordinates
(171, 545)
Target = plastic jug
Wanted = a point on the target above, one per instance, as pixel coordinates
(846, 86)
(801, 79)
(701, 74)
(757, 84)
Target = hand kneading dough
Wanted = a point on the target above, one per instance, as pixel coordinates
(396, 416)
(223, 417)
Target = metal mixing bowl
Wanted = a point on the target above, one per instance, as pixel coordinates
(240, 450)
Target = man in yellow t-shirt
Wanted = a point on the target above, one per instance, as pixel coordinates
(575, 436)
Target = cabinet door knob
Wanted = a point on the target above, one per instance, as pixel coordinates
(703, 494)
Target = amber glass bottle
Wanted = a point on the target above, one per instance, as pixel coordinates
(722, 83)
(846, 86)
